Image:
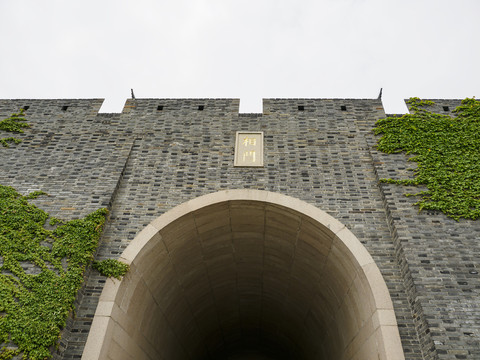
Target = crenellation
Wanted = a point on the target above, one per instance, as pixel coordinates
(179, 106)
(442, 106)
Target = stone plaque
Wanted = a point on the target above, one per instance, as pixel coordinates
(249, 148)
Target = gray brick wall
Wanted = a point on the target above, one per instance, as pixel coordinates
(442, 257)
(159, 153)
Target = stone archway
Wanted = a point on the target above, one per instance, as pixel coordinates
(243, 274)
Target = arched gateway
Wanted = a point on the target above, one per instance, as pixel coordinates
(245, 274)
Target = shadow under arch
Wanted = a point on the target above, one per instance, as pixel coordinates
(245, 274)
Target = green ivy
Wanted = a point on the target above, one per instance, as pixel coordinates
(111, 268)
(35, 306)
(447, 152)
(14, 123)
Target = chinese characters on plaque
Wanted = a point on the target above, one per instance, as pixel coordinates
(249, 148)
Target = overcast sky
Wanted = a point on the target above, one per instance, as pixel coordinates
(247, 49)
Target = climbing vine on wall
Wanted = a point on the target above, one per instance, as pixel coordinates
(111, 268)
(14, 123)
(40, 272)
(447, 152)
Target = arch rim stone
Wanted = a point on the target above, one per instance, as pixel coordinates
(384, 320)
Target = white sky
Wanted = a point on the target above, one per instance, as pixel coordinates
(247, 49)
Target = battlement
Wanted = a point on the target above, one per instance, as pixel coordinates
(51, 106)
(156, 106)
(91, 107)
(329, 106)
(442, 106)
